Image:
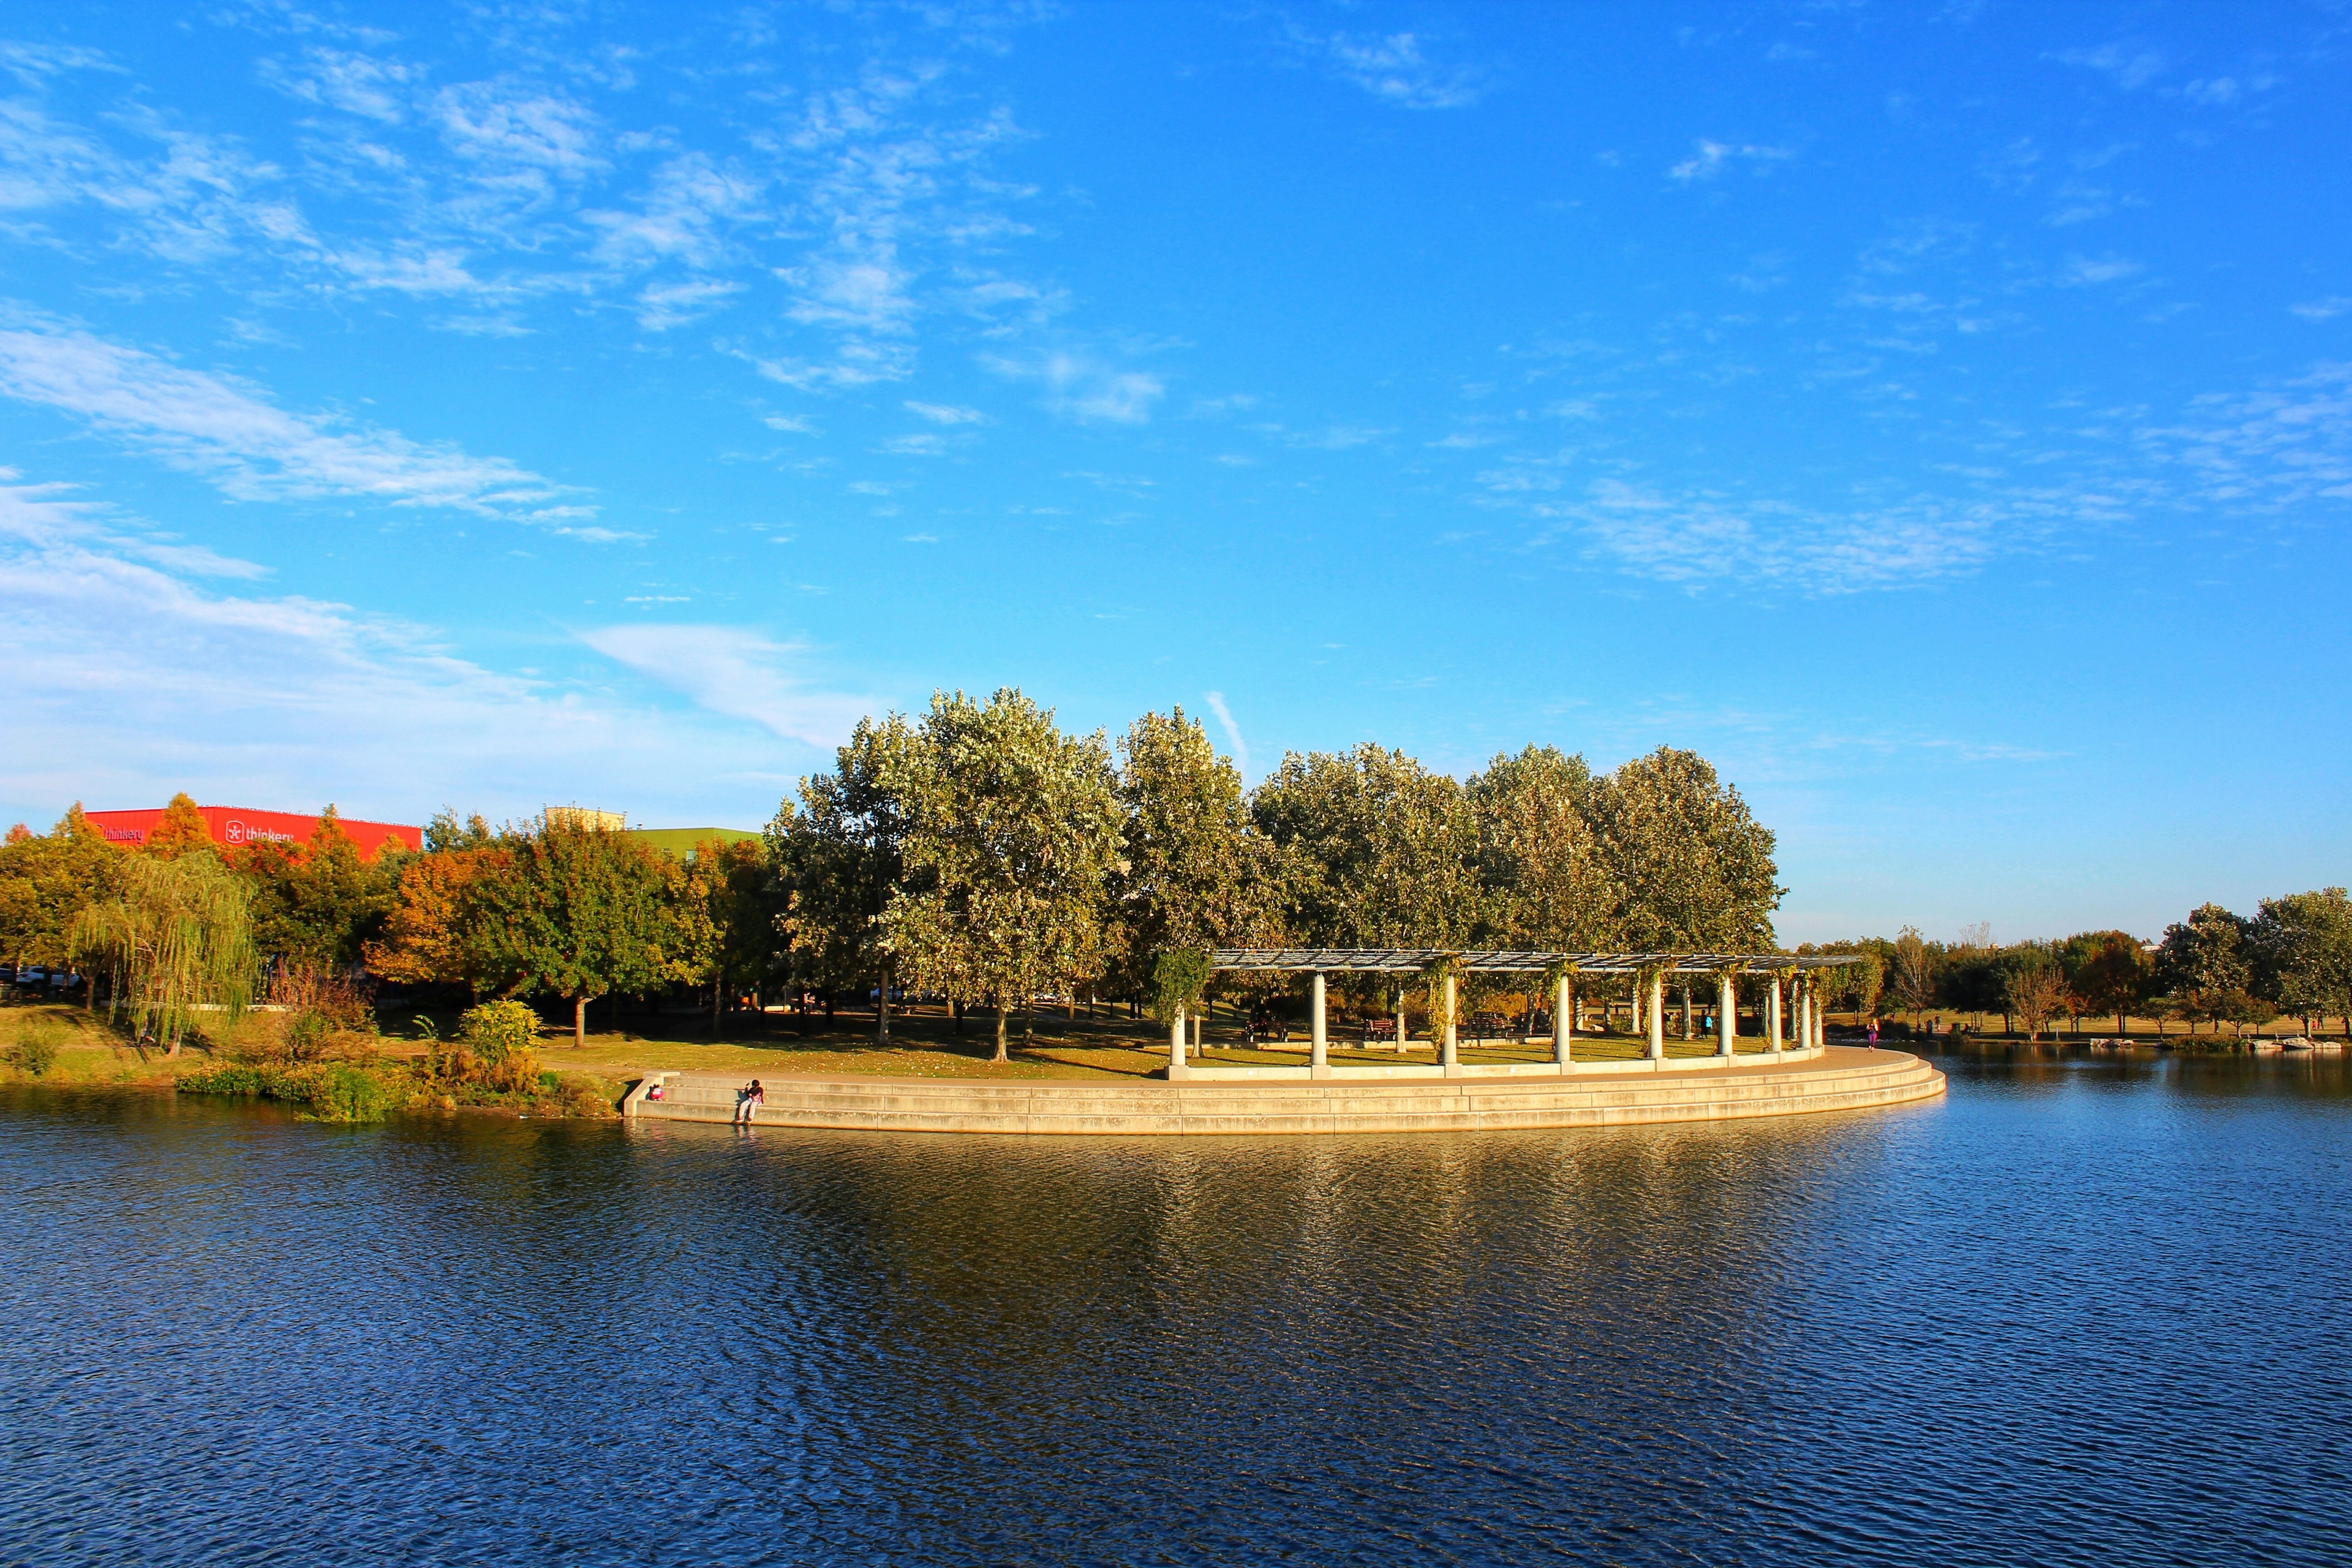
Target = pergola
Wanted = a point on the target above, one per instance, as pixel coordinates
(1790, 972)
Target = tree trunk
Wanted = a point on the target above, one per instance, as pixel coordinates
(718, 989)
(955, 1014)
(882, 1010)
(2121, 1027)
(1001, 1011)
(579, 1022)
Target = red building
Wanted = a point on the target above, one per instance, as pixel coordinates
(235, 826)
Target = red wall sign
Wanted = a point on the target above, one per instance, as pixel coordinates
(235, 826)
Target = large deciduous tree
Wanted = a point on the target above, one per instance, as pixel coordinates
(180, 831)
(1379, 851)
(1691, 867)
(425, 939)
(1193, 872)
(47, 879)
(2113, 974)
(176, 939)
(2203, 963)
(839, 854)
(2033, 987)
(570, 909)
(721, 919)
(1544, 882)
(1011, 828)
(2302, 948)
(317, 905)
(1913, 970)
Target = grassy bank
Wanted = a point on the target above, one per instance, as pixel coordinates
(354, 1077)
(924, 1043)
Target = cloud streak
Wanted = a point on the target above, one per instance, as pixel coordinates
(1216, 700)
(736, 673)
(1712, 158)
(1395, 67)
(253, 451)
(131, 680)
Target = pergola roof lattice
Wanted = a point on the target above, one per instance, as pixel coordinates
(1413, 960)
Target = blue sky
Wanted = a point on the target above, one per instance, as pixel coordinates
(1939, 416)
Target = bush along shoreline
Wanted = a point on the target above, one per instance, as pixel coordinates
(490, 1064)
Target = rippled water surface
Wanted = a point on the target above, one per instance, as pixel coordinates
(2072, 1313)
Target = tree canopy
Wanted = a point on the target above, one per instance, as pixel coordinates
(574, 910)
(1011, 827)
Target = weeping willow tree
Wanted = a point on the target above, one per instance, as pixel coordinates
(178, 937)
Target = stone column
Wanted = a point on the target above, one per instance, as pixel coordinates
(1319, 1057)
(1772, 1018)
(1726, 1015)
(1451, 1049)
(1399, 1039)
(1657, 1010)
(1563, 1020)
(1176, 1043)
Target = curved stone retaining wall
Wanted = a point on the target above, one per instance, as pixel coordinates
(1840, 1078)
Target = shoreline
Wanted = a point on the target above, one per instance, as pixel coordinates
(1837, 1079)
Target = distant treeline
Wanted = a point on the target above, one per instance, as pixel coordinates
(2293, 958)
(977, 851)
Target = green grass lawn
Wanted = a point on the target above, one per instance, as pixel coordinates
(924, 1044)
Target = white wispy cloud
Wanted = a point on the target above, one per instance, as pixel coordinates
(513, 126)
(1695, 538)
(661, 306)
(1083, 387)
(2281, 449)
(233, 436)
(2130, 66)
(2079, 270)
(853, 212)
(2325, 309)
(370, 86)
(2280, 452)
(739, 673)
(1711, 158)
(946, 414)
(129, 680)
(1395, 67)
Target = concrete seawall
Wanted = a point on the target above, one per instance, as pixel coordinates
(1841, 1079)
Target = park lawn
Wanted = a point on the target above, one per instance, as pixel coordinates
(634, 1055)
(88, 1050)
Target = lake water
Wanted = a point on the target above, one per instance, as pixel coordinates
(2078, 1313)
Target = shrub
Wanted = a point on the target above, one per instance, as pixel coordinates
(351, 1094)
(320, 1004)
(499, 1032)
(34, 1055)
(326, 1093)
